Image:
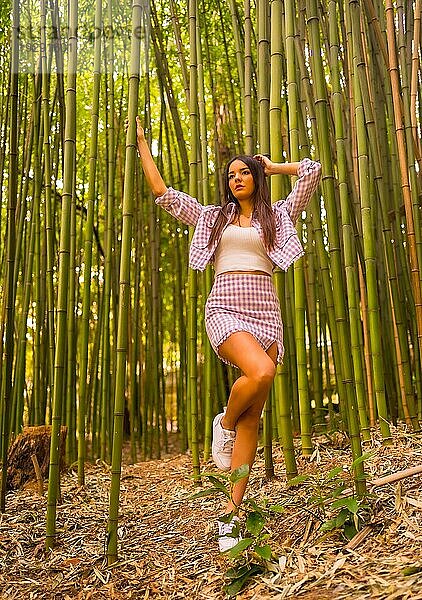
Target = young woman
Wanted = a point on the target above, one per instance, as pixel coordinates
(245, 239)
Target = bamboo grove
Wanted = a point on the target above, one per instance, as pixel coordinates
(101, 320)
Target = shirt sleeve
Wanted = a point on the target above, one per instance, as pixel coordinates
(181, 206)
(309, 173)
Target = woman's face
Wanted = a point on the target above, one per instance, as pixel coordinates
(241, 182)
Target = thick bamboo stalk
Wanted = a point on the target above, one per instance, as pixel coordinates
(299, 281)
(340, 304)
(249, 140)
(124, 286)
(64, 256)
(88, 238)
(48, 216)
(7, 364)
(206, 282)
(107, 383)
(70, 370)
(349, 247)
(414, 77)
(263, 79)
(193, 278)
(36, 392)
(412, 237)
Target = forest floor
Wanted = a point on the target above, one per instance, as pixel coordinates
(168, 542)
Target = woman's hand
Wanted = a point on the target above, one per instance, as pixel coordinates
(152, 174)
(140, 134)
(266, 163)
(272, 168)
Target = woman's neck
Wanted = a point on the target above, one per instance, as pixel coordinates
(246, 209)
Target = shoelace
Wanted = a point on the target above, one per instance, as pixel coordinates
(226, 442)
(225, 528)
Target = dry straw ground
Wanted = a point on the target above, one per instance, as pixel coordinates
(168, 547)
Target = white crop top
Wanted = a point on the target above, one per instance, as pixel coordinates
(241, 249)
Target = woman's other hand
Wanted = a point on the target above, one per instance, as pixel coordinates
(266, 163)
(272, 168)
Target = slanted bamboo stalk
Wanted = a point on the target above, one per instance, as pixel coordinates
(348, 240)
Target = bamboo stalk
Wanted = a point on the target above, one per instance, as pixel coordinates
(193, 278)
(88, 238)
(68, 192)
(396, 476)
(124, 296)
(6, 387)
(412, 237)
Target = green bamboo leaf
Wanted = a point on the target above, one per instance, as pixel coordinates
(250, 502)
(350, 503)
(236, 572)
(239, 473)
(350, 531)
(328, 525)
(255, 523)
(412, 570)
(298, 479)
(240, 547)
(219, 484)
(227, 518)
(222, 476)
(337, 492)
(233, 588)
(277, 508)
(333, 473)
(361, 459)
(264, 552)
(342, 517)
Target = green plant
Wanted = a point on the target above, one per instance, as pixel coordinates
(252, 553)
(334, 500)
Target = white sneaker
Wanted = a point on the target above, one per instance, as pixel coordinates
(228, 534)
(222, 443)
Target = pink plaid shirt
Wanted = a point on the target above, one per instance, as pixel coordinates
(287, 247)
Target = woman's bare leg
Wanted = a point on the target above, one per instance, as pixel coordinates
(247, 399)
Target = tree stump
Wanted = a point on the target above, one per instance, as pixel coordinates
(32, 442)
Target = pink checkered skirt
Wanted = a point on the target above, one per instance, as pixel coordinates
(244, 302)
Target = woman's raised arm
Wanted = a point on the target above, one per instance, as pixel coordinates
(152, 174)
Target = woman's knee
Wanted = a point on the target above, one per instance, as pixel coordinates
(263, 375)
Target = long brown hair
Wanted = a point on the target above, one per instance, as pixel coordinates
(262, 210)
